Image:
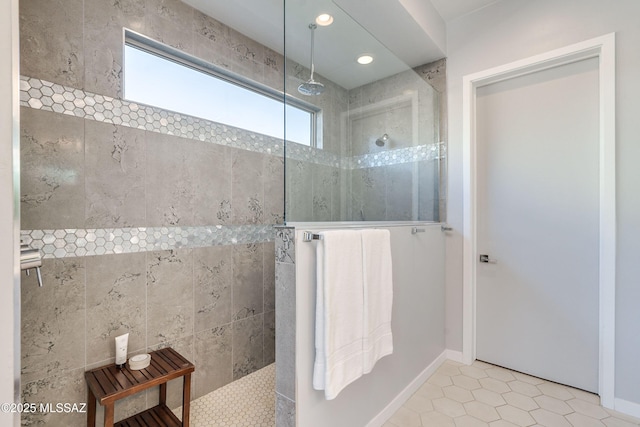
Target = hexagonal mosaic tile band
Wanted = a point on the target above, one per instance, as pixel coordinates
(87, 242)
(47, 96)
(43, 95)
(486, 395)
(397, 156)
(247, 402)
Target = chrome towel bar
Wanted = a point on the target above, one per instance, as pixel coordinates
(309, 236)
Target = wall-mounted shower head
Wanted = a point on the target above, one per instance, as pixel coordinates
(380, 142)
(311, 87)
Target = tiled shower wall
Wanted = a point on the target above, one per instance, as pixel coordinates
(88, 179)
(374, 183)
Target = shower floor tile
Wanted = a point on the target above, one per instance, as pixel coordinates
(247, 402)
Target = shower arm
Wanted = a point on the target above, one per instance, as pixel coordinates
(312, 27)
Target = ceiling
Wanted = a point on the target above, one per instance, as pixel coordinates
(400, 33)
(452, 9)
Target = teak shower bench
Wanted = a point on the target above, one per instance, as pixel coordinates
(109, 384)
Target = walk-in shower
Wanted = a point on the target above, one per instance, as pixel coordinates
(160, 223)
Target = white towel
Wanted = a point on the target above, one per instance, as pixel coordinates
(378, 296)
(339, 311)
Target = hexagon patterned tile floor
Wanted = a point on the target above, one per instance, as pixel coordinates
(247, 402)
(484, 395)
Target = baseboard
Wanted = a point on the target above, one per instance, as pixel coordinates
(408, 391)
(454, 355)
(626, 407)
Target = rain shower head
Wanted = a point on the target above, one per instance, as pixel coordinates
(311, 87)
(380, 142)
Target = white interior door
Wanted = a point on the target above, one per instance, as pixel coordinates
(538, 218)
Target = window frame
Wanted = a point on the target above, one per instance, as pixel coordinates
(166, 52)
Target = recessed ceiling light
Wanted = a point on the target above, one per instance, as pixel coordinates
(365, 59)
(324, 19)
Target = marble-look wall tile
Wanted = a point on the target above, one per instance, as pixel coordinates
(286, 327)
(285, 411)
(103, 44)
(428, 82)
(399, 198)
(295, 74)
(116, 304)
(248, 351)
(443, 188)
(209, 31)
(428, 191)
(227, 48)
(169, 180)
(211, 165)
(52, 170)
(138, 178)
(274, 70)
(338, 193)
(434, 73)
(213, 350)
(51, 40)
(213, 282)
(52, 320)
(335, 140)
(185, 347)
(170, 22)
(368, 194)
(247, 280)
(269, 337)
(285, 245)
(127, 407)
(68, 387)
(247, 187)
(244, 56)
(269, 276)
(324, 184)
(299, 192)
(169, 296)
(269, 303)
(115, 175)
(273, 190)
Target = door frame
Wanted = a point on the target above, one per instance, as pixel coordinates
(10, 211)
(602, 48)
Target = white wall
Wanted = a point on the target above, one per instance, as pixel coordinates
(510, 30)
(8, 231)
(417, 326)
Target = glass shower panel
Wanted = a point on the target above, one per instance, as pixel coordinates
(378, 154)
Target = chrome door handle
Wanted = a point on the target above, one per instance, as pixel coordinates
(487, 260)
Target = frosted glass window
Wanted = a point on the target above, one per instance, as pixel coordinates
(173, 85)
